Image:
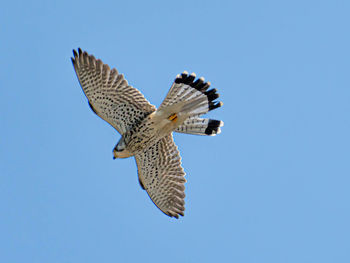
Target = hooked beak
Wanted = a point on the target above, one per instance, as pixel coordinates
(114, 155)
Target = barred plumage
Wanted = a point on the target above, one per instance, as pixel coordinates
(199, 126)
(161, 175)
(109, 94)
(147, 132)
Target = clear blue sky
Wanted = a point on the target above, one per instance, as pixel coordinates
(273, 187)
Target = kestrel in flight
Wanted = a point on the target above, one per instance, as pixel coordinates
(147, 131)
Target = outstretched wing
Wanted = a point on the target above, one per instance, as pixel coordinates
(161, 175)
(109, 94)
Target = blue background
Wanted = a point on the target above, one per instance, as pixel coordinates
(273, 187)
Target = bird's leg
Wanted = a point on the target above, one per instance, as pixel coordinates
(173, 117)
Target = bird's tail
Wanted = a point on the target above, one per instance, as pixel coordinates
(200, 126)
(186, 101)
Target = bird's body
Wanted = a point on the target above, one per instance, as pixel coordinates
(147, 131)
(152, 128)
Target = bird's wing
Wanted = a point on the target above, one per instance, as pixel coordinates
(161, 175)
(109, 94)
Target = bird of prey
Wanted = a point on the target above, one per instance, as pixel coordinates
(147, 131)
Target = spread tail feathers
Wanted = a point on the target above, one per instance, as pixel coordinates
(188, 99)
(200, 126)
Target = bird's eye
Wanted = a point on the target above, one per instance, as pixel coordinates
(119, 148)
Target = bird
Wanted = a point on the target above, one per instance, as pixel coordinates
(146, 131)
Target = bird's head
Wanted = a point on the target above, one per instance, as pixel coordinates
(120, 150)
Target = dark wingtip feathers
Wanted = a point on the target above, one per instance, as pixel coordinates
(200, 85)
(76, 55)
(175, 214)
